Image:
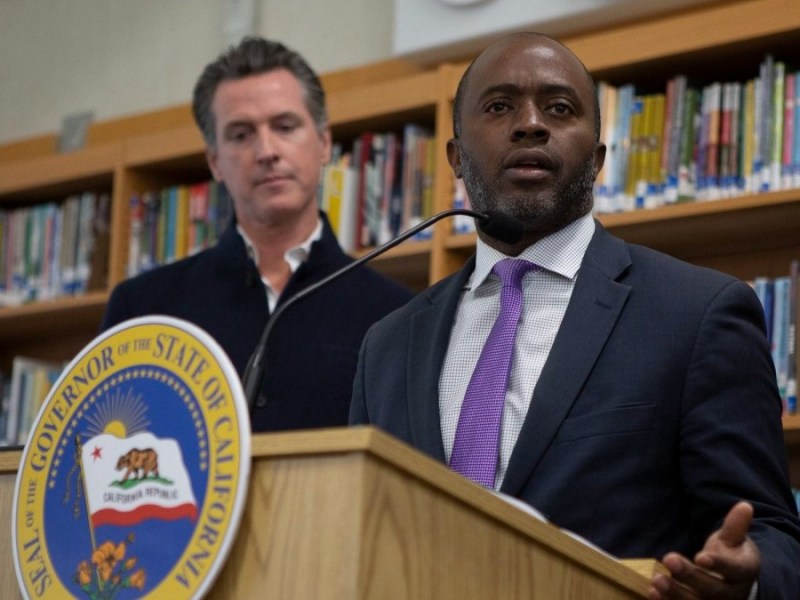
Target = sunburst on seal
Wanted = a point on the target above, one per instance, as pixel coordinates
(119, 415)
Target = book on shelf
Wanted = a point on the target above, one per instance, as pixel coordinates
(374, 176)
(30, 382)
(607, 98)
(393, 189)
(175, 222)
(699, 143)
(71, 208)
(793, 356)
(362, 155)
(83, 248)
(779, 343)
(764, 288)
(777, 114)
(780, 299)
(795, 178)
(462, 223)
(338, 200)
(382, 187)
(182, 221)
(415, 157)
(53, 249)
(198, 232)
(428, 179)
(135, 234)
(100, 246)
(790, 124)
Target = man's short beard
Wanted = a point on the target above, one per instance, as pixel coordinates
(541, 215)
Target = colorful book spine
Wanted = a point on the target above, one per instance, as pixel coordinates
(776, 115)
(791, 341)
(796, 136)
(789, 125)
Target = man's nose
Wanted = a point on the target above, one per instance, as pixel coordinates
(266, 146)
(530, 123)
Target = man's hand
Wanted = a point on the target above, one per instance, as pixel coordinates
(726, 567)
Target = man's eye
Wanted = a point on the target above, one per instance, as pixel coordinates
(238, 135)
(497, 106)
(561, 108)
(286, 126)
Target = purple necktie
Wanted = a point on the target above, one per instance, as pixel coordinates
(477, 436)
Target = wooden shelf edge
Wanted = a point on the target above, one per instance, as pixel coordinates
(163, 146)
(36, 318)
(408, 93)
(672, 215)
(699, 208)
(57, 169)
(791, 429)
(702, 27)
(10, 458)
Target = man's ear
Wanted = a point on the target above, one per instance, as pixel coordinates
(211, 159)
(454, 156)
(599, 157)
(326, 138)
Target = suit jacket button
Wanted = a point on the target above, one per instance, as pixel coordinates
(261, 401)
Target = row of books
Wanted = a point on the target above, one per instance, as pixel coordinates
(706, 143)
(22, 394)
(175, 222)
(780, 297)
(383, 187)
(54, 249)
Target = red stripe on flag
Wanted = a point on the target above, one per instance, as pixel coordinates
(109, 516)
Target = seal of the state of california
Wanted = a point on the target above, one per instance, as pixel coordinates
(133, 479)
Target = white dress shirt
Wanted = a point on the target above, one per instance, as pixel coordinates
(546, 294)
(294, 257)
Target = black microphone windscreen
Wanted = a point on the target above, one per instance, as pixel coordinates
(502, 227)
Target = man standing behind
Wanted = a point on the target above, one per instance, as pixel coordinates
(261, 110)
(637, 404)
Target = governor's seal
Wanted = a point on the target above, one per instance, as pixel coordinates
(133, 479)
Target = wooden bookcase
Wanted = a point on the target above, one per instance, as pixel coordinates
(725, 41)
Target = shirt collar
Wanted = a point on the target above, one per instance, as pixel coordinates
(560, 252)
(293, 256)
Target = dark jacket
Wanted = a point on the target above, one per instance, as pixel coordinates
(656, 411)
(313, 347)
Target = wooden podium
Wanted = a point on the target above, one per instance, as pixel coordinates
(352, 514)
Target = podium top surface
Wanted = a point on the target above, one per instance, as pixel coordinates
(394, 454)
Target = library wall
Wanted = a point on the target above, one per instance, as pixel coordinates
(116, 57)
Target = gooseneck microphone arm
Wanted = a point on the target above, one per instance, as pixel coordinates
(498, 225)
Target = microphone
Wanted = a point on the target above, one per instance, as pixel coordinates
(502, 227)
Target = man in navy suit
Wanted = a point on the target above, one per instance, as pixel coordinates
(641, 410)
(261, 110)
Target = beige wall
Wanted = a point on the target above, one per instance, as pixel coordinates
(122, 57)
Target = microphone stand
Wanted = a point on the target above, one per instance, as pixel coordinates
(254, 372)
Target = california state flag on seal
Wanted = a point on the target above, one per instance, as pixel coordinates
(135, 479)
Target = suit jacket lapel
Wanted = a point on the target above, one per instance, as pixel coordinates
(594, 308)
(429, 336)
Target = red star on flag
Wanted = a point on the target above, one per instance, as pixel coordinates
(97, 453)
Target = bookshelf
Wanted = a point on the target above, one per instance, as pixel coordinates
(745, 236)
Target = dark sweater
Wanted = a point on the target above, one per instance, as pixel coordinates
(313, 347)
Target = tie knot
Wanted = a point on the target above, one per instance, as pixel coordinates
(511, 270)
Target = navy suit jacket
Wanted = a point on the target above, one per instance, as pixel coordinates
(313, 348)
(656, 411)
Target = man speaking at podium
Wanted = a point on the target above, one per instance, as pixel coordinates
(261, 110)
(626, 395)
